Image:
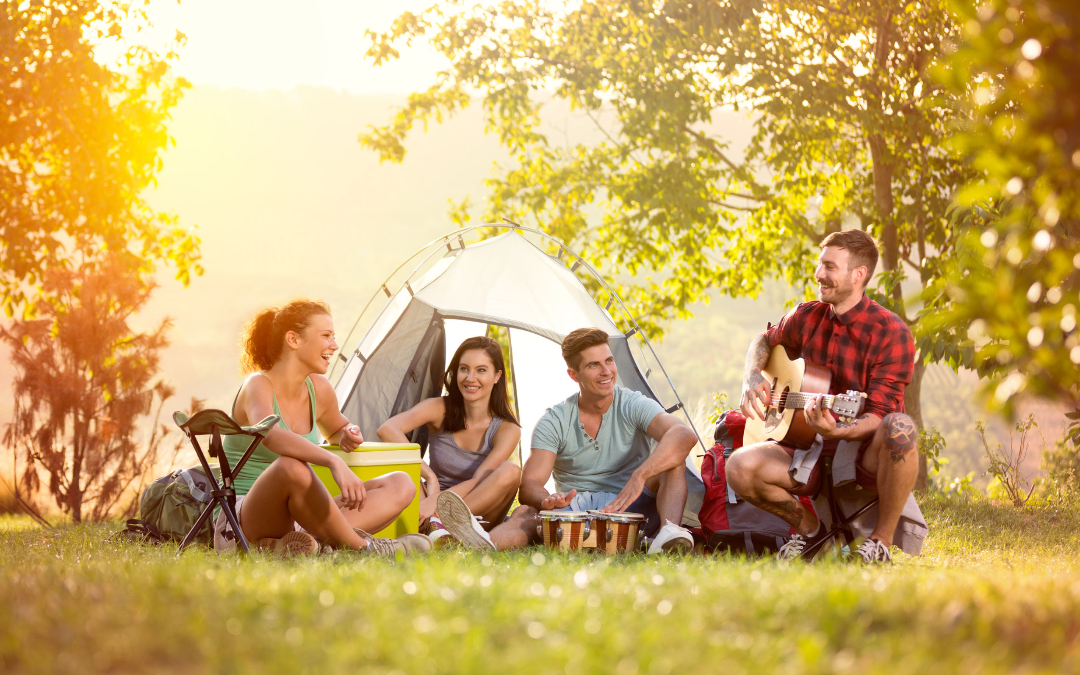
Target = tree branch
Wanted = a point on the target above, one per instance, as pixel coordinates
(713, 147)
(732, 206)
(908, 260)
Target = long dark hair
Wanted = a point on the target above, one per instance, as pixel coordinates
(498, 404)
(264, 336)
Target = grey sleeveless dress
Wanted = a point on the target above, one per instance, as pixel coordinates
(451, 463)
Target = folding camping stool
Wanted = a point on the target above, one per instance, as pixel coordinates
(215, 424)
(840, 524)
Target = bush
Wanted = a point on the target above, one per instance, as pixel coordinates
(1005, 464)
(1062, 467)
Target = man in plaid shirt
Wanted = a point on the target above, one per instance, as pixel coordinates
(867, 348)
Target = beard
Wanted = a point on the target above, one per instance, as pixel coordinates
(837, 293)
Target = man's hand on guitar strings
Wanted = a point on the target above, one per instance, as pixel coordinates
(819, 417)
(755, 396)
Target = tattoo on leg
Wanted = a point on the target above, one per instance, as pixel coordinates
(789, 510)
(901, 436)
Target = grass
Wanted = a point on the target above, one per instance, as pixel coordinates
(996, 591)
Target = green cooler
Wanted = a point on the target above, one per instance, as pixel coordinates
(372, 460)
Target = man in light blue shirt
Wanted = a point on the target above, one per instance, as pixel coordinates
(596, 445)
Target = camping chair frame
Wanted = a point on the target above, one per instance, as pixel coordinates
(840, 524)
(215, 424)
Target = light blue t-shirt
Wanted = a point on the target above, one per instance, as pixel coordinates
(604, 463)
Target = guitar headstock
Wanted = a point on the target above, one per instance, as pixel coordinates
(849, 405)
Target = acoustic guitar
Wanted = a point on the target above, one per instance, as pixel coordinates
(794, 383)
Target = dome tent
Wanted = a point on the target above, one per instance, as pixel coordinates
(459, 288)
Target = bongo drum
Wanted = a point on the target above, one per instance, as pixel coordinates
(617, 532)
(566, 530)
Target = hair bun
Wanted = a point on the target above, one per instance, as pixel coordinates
(264, 335)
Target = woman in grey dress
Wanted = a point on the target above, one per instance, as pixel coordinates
(472, 433)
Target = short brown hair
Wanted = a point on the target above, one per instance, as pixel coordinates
(859, 245)
(578, 341)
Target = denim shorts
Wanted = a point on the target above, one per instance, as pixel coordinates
(645, 504)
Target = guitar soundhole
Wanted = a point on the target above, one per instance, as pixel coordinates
(775, 414)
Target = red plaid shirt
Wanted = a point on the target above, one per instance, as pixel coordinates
(867, 348)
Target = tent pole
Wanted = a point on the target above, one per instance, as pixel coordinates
(517, 401)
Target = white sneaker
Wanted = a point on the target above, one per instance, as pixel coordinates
(797, 545)
(672, 539)
(872, 552)
(460, 522)
(793, 548)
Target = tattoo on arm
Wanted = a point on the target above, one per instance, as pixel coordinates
(901, 436)
(756, 358)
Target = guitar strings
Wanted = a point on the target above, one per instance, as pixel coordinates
(781, 400)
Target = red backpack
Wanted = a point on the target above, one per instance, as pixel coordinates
(728, 522)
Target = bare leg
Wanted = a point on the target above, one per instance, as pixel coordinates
(491, 497)
(517, 532)
(670, 488)
(387, 497)
(892, 456)
(759, 474)
(288, 492)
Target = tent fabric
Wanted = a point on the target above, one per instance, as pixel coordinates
(378, 388)
(503, 281)
(508, 279)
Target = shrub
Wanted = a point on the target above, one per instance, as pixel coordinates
(1005, 463)
(1062, 467)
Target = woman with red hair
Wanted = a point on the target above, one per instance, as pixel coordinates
(281, 504)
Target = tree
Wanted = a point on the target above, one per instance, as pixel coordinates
(79, 142)
(848, 128)
(1013, 292)
(83, 381)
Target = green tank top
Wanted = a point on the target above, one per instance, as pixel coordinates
(235, 446)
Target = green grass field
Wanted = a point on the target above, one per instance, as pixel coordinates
(996, 591)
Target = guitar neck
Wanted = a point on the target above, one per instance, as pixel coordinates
(798, 399)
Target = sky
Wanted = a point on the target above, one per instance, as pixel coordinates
(276, 44)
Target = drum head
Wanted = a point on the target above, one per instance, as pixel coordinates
(570, 516)
(626, 517)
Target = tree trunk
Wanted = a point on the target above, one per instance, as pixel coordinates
(913, 408)
(890, 259)
(74, 495)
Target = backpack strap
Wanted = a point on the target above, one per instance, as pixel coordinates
(196, 492)
(144, 530)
